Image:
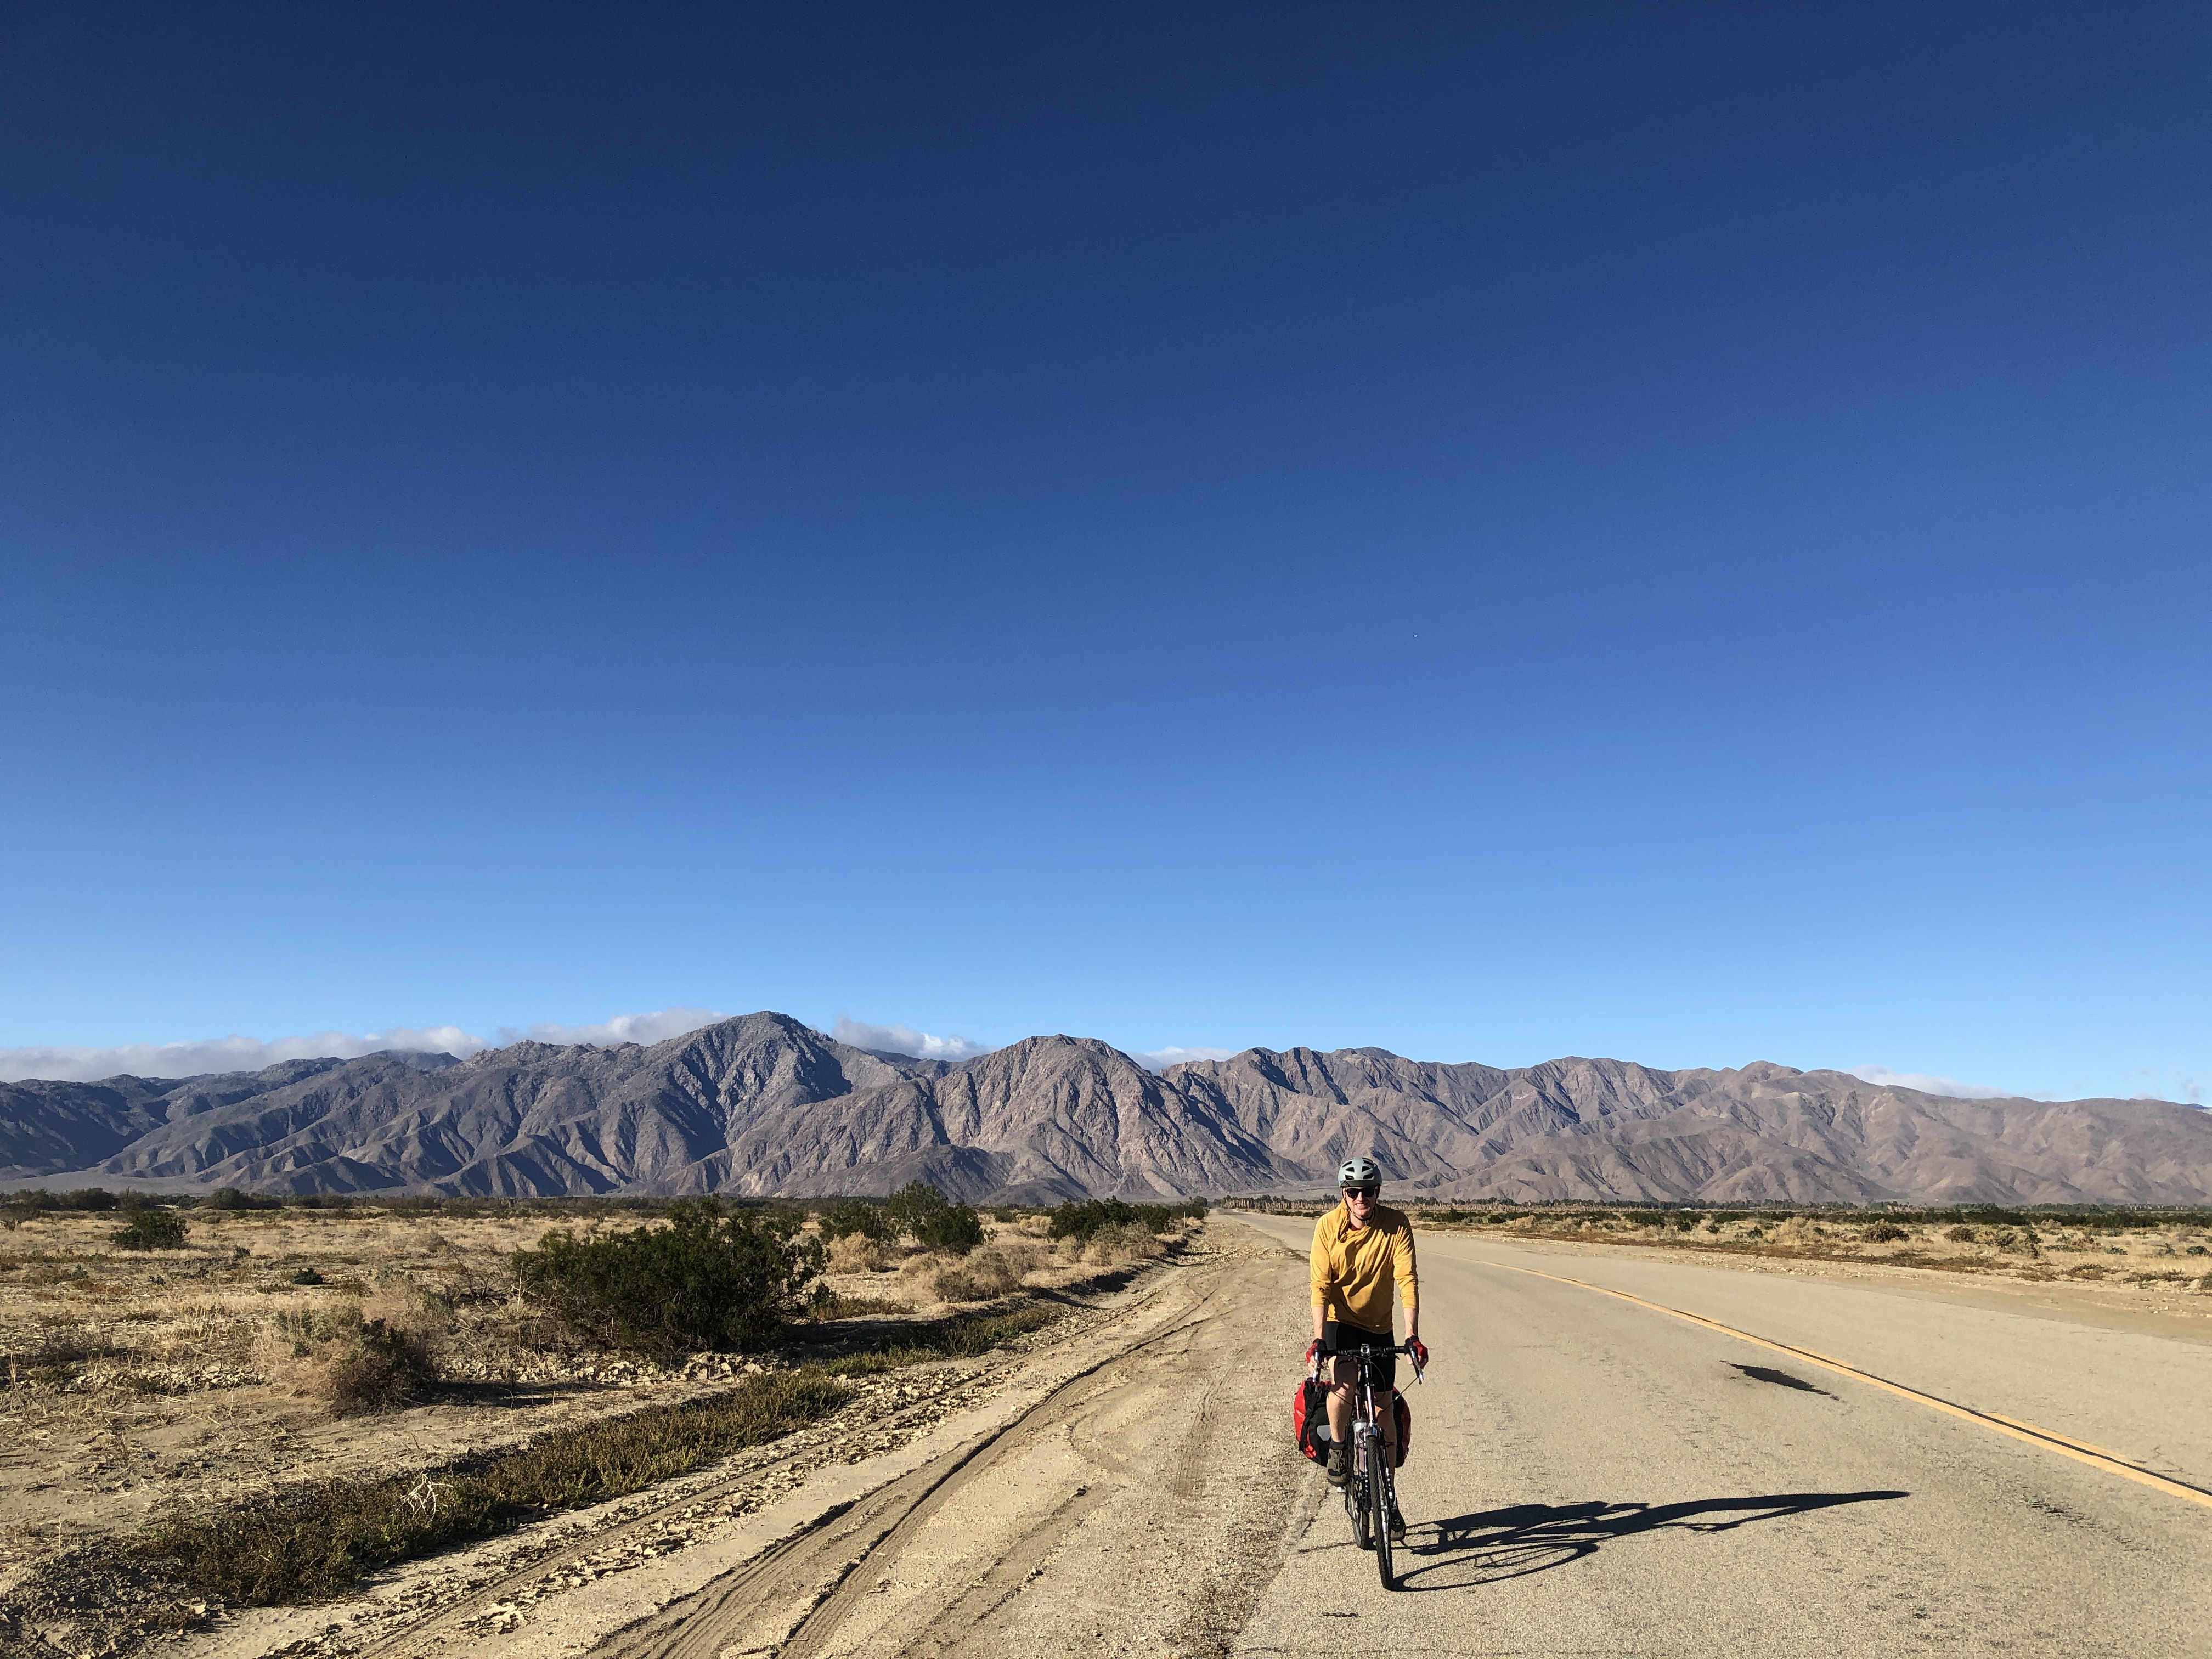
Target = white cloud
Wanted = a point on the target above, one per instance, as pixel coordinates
(245, 1054)
(905, 1040)
(648, 1029)
(230, 1054)
(1160, 1058)
(2169, 1083)
(1882, 1078)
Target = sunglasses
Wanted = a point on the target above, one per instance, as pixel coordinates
(1362, 1191)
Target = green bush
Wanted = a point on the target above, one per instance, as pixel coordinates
(920, 1211)
(151, 1230)
(1081, 1220)
(711, 1279)
(857, 1215)
(955, 1228)
(230, 1198)
(1884, 1232)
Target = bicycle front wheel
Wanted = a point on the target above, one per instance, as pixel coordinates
(1378, 1513)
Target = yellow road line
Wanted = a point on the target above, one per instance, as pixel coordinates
(2079, 1450)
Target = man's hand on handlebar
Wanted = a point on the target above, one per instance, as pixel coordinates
(1418, 1352)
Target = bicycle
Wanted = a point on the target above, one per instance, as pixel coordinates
(1370, 1493)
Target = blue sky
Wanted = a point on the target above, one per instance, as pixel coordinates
(1674, 533)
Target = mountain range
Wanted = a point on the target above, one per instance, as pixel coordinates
(763, 1105)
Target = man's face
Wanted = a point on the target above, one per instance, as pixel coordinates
(1360, 1201)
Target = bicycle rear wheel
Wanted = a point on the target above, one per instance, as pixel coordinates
(1378, 1515)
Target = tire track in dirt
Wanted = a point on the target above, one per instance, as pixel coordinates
(559, 1582)
(1141, 1502)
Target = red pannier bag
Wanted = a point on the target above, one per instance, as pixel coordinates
(1310, 1421)
(1309, 1418)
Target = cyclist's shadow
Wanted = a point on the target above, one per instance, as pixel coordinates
(1512, 1543)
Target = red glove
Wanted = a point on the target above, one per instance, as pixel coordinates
(1420, 1353)
(1313, 1353)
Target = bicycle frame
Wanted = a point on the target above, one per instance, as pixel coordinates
(1370, 1495)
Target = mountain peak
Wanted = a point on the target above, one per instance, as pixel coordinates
(762, 1104)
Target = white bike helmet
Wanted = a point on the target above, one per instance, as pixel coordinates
(1360, 1172)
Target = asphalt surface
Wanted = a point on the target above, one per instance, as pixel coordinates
(1591, 1476)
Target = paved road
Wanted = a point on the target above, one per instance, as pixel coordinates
(1593, 1477)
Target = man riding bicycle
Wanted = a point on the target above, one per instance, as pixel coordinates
(1358, 1248)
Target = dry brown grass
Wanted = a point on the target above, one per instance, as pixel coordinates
(315, 1542)
(856, 1252)
(1119, 1246)
(995, 1270)
(2132, 1250)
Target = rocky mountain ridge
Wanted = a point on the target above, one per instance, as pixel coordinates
(762, 1105)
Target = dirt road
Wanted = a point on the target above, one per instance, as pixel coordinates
(1126, 1487)
(1140, 1507)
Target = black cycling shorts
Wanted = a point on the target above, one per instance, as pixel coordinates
(1338, 1338)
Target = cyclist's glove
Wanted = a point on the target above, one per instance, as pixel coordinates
(1421, 1350)
(1313, 1353)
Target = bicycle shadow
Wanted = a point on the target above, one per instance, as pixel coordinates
(1495, 1545)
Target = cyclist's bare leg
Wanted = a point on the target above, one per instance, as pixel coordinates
(1339, 1401)
(1340, 1408)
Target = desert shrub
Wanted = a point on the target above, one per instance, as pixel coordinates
(910, 1207)
(1883, 1232)
(856, 1217)
(151, 1230)
(1960, 1235)
(855, 1253)
(710, 1279)
(989, 1272)
(1119, 1245)
(230, 1198)
(922, 1214)
(1081, 1220)
(955, 1227)
(314, 1543)
(964, 1284)
(385, 1367)
(920, 1211)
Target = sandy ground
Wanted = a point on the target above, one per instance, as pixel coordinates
(1123, 1486)
(141, 1381)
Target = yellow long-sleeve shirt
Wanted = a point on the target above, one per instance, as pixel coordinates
(1352, 1266)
